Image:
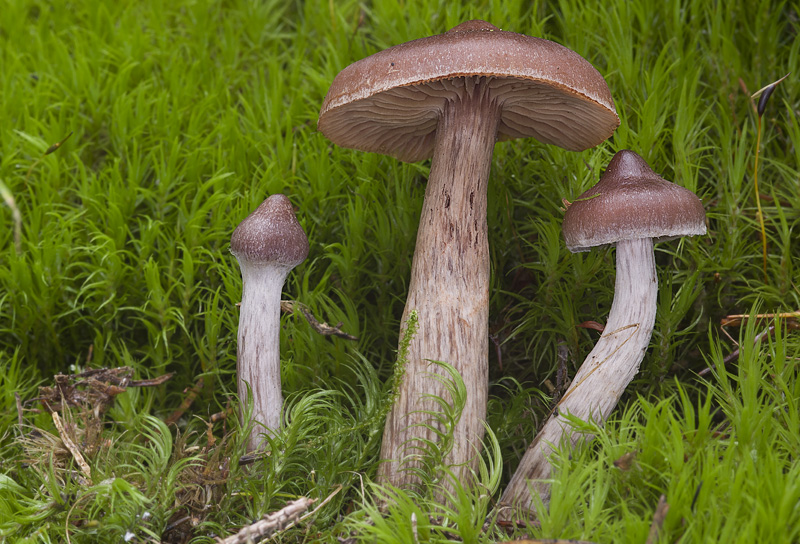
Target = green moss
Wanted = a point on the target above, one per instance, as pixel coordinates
(185, 115)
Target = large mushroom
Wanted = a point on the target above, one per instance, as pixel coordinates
(267, 244)
(632, 207)
(452, 96)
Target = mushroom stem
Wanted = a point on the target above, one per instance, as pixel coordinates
(603, 376)
(449, 288)
(258, 357)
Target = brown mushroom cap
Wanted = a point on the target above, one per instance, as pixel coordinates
(271, 234)
(631, 201)
(390, 102)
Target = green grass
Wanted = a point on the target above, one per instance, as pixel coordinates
(186, 115)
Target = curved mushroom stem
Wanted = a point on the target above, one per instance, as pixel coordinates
(600, 381)
(449, 288)
(258, 353)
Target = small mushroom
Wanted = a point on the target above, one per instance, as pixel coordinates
(452, 96)
(632, 207)
(267, 244)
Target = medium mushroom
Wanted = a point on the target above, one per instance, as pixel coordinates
(632, 207)
(267, 244)
(452, 96)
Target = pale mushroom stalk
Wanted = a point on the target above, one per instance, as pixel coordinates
(268, 244)
(258, 355)
(631, 206)
(449, 287)
(603, 376)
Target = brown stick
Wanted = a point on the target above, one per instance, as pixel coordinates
(73, 449)
(187, 402)
(322, 328)
(735, 353)
(738, 319)
(152, 382)
(271, 523)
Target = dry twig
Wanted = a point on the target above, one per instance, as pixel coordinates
(187, 402)
(73, 449)
(790, 319)
(271, 523)
(322, 328)
(732, 356)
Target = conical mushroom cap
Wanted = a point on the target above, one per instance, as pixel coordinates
(390, 102)
(631, 201)
(270, 235)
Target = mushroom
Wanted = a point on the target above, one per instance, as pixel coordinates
(452, 96)
(267, 244)
(632, 207)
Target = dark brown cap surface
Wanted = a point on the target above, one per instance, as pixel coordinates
(271, 234)
(631, 201)
(390, 102)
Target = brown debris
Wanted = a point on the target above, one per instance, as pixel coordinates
(791, 320)
(625, 462)
(94, 388)
(201, 485)
(734, 355)
(322, 328)
(187, 402)
(76, 404)
(215, 418)
(593, 325)
(73, 449)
